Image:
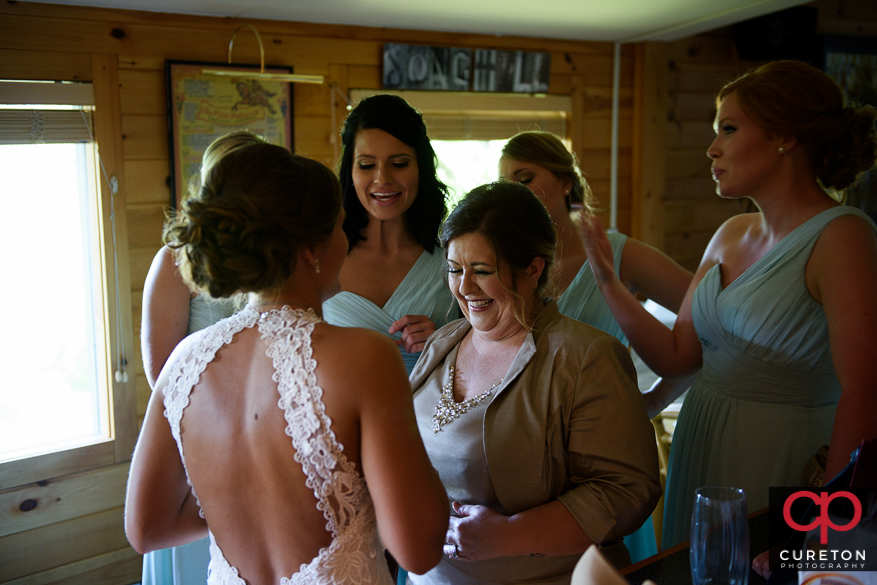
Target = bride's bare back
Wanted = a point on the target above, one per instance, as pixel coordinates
(233, 428)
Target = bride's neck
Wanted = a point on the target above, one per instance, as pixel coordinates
(299, 291)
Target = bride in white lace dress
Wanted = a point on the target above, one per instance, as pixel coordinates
(299, 438)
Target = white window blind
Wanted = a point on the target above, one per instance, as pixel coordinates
(482, 116)
(64, 113)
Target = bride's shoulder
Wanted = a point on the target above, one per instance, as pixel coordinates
(354, 348)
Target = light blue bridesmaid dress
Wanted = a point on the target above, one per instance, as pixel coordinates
(766, 397)
(583, 302)
(187, 564)
(421, 292)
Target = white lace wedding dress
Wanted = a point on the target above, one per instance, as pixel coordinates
(355, 554)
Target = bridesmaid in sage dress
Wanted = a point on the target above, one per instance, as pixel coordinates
(540, 161)
(392, 277)
(171, 312)
(783, 308)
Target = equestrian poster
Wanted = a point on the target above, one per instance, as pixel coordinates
(202, 107)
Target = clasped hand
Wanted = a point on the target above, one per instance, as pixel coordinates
(477, 533)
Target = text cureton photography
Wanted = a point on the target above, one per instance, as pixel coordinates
(823, 529)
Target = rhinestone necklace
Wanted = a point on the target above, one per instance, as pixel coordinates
(447, 410)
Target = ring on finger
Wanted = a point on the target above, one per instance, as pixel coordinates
(455, 554)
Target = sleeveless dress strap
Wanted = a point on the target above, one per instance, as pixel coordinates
(187, 371)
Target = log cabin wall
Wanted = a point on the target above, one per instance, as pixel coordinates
(74, 534)
(72, 530)
(697, 67)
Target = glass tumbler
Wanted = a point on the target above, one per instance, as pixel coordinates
(719, 537)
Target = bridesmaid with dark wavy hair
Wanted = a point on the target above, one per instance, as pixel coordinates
(395, 203)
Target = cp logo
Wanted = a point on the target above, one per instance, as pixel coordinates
(822, 500)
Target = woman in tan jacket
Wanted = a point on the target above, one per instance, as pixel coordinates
(532, 419)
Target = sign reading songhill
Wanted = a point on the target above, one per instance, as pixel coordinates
(823, 529)
(458, 69)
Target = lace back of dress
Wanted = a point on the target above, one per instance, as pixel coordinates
(337, 486)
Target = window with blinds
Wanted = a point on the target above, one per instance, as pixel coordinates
(45, 113)
(468, 129)
(56, 389)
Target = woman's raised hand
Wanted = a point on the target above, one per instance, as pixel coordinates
(415, 329)
(599, 250)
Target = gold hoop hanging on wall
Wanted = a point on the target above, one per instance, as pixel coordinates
(267, 76)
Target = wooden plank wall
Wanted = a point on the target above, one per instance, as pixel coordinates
(698, 67)
(75, 535)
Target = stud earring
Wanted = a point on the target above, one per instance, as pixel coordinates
(782, 149)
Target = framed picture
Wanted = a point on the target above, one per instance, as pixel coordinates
(202, 107)
(852, 63)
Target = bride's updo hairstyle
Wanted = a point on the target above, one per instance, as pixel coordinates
(791, 98)
(515, 223)
(258, 206)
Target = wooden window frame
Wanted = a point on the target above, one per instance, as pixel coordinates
(495, 116)
(102, 71)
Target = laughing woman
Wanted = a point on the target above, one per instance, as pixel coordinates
(395, 204)
(532, 419)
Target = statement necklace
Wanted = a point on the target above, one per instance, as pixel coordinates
(447, 410)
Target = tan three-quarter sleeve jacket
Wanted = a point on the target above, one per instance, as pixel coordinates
(568, 422)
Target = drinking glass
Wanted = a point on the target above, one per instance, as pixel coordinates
(719, 537)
